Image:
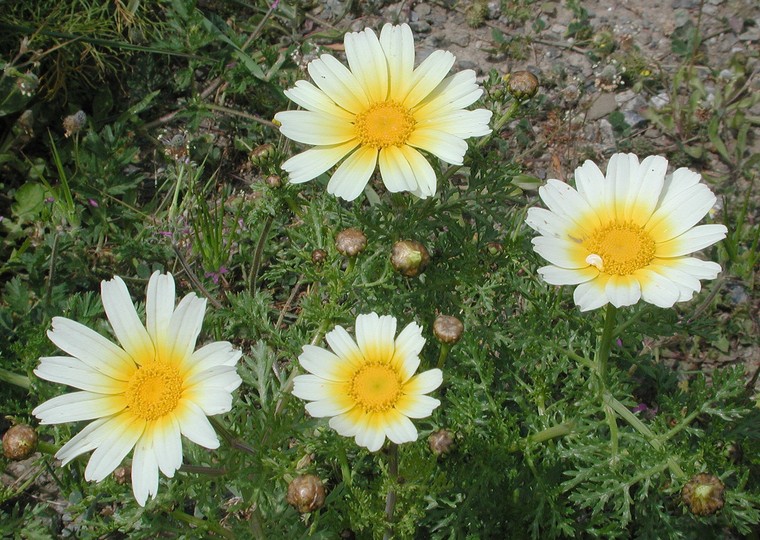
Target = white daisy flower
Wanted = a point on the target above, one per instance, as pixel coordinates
(626, 236)
(381, 111)
(144, 393)
(368, 387)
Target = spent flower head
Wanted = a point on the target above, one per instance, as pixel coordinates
(369, 387)
(382, 111)
(625, 237)
(144, 393)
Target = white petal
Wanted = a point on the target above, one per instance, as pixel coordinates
(445, 146)
(461, 123)
(215, 378)
(313, 162)
(74, 372)
(401, 430)
(195, 426)
(184, 327)
(352, 176)
(312, 98)
(311, 388)
(326, 407)
(366, 59)
(213, 400)
(590, 183)
(395, 170)
(372, 438)
(167, 444)
(623, 290)
(144, 471)
(424, 382)
(398, 45)
(335, 80)
(692, 240)
(548, 223)
(554, 275)
(123, 433)
(342, 344)
(424, 174)
(417, 406)
(345, 424)
(698, 268)
(315, 128)
(408, 346)
(322, 363)
(687, 284)
(126, 324)
(217, 353)
(591, 294)
(679, 214)
(427, 76)
(621, 169)
(91, 348)
(676, 184)
(455, 92)
(562, 253)
(375, 336)
(159, 305)
(657, 289)
(646, 189)
(84, 441)
(567, 203)
(76, 406)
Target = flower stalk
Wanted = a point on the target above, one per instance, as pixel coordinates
(390, 499)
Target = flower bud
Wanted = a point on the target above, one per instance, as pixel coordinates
(27, 84)
(350, 242)
(441, 442)
(19, 442)
(494, 248)
(273, 181)
(409, 257)
(318, 256)
(703, 494)
(306, 493)
(74, 123)
(122, 474)
(448, 329)
(261, 153)
(522, 85)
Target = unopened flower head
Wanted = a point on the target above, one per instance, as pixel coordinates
(381, 111)
(627, 236)
(144, 393)
(368, 387)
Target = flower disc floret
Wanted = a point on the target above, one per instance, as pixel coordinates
(625, 236)
(382, 112)
(144, 393)
(368, 387)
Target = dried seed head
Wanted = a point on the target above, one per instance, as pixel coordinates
(522, 85)
(19, 442)
(122, 474)
(409, 257)
(318, 256)
(306, 493)
(74, 123)
(27, 84)
(703, 494)
(441, 442)
(350, 242)
(448, 329)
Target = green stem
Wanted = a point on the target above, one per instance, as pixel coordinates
(253, 275)
(14, 378)
(202, 469)
(560, 430)
(445, 348)
(639, 426)
(345, 469)
(603, 348)
(177, 186)
(390, 499)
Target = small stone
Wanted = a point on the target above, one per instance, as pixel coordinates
(602, 106)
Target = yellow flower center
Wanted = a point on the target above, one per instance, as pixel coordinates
(154, 390)
(619, 248)
(375, 387)
(384, 124)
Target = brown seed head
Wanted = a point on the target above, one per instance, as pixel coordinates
(318, 256)
(448, 329)
(350, 242)
(703, 494)
(441, 442)
(122, 474)
(306, 493)
(522, 85)
(19, 442)
(409, 257)
(273, 181)
(74, 123)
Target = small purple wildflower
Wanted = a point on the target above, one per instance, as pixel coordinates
(215, 276)
(93, 203)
